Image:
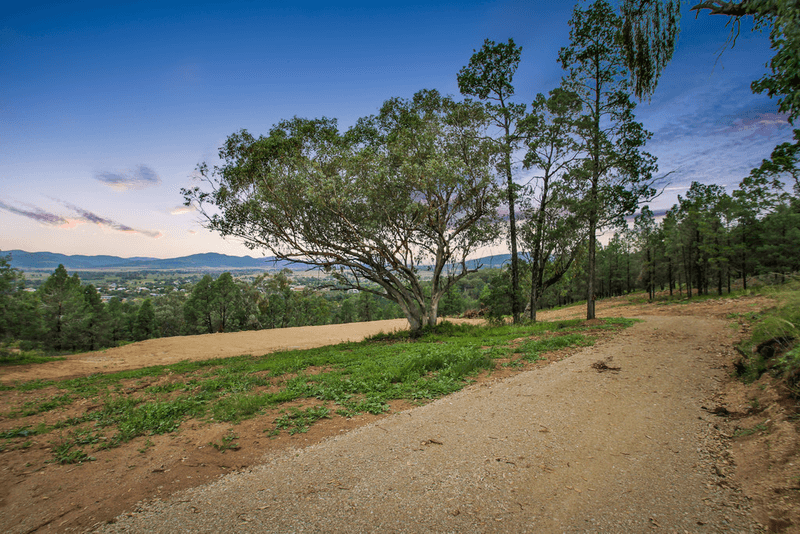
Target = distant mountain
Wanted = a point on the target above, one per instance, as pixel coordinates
(23, 260)
(211, 261)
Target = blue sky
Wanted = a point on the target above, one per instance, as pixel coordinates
(106, 109)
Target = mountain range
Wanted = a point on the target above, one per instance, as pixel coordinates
(38, 261)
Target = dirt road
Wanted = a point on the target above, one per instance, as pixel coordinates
(565, 448)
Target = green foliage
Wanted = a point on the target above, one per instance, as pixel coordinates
(15, 356)
(779, 330)
(489, 76)
(355, 377)
(408, 187)
(65, 454)
(614, 172)
(228, 442)
(299, 421)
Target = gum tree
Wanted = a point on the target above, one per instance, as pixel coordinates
(403, 192)
(551, 233)
(488, 77)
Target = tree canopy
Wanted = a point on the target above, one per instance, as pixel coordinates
(409, 189)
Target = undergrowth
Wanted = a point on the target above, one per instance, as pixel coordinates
(774, 342)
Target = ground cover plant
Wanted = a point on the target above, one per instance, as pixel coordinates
(772, 345)
(82, 416)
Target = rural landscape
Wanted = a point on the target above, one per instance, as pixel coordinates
(464, 314)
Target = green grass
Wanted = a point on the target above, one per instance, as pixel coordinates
(350, 378)
(8, 357)
(781, 323)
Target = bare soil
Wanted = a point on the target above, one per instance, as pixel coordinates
(748, 460)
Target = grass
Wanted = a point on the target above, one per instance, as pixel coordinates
(22, 357)
(781, 326)
(345, 380)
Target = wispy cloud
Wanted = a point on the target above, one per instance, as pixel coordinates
(139, 178)
(82, 216)
(37, 214)
(183, 210)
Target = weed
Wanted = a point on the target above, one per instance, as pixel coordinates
(64, 454)
(147, 445)
(299, 421)
(760, 427)
(227, 443)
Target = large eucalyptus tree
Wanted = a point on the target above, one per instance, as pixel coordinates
(409, 190)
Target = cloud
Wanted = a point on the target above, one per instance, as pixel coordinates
(37, 214)
(83, 216)
(140, 178)
(183, 210)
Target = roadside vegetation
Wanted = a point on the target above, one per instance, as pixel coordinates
(83, 416)
(774, 342)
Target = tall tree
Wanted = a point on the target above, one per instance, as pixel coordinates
(615, 173)
(145, 326)
(552, 231)
(489, 77)
(226, 301)
(11, 281)
(96, 324)
(410, 187)
(199, 307)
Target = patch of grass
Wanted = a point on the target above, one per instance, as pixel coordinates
(777, 330)
(227, 443)
(21, 357)
(741, 432)
(299, 421)
(64, 453)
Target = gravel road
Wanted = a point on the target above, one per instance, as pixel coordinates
(565, 448)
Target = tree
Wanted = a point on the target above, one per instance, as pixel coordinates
(63, 309)
(96, 325)
(226, 300)
(552, 232)
(145, 326)
(648, 236)
(11, 281)
(651, 29)
(199, 306)
(488, 76)
(615, 174)
(170, 316)
(406, 190)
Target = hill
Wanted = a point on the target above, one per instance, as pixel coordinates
(29, 261)
(210, 261)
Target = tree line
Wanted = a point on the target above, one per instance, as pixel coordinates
(710, 242)
(65, 315)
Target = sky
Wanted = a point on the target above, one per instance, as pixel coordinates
(106, 109)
